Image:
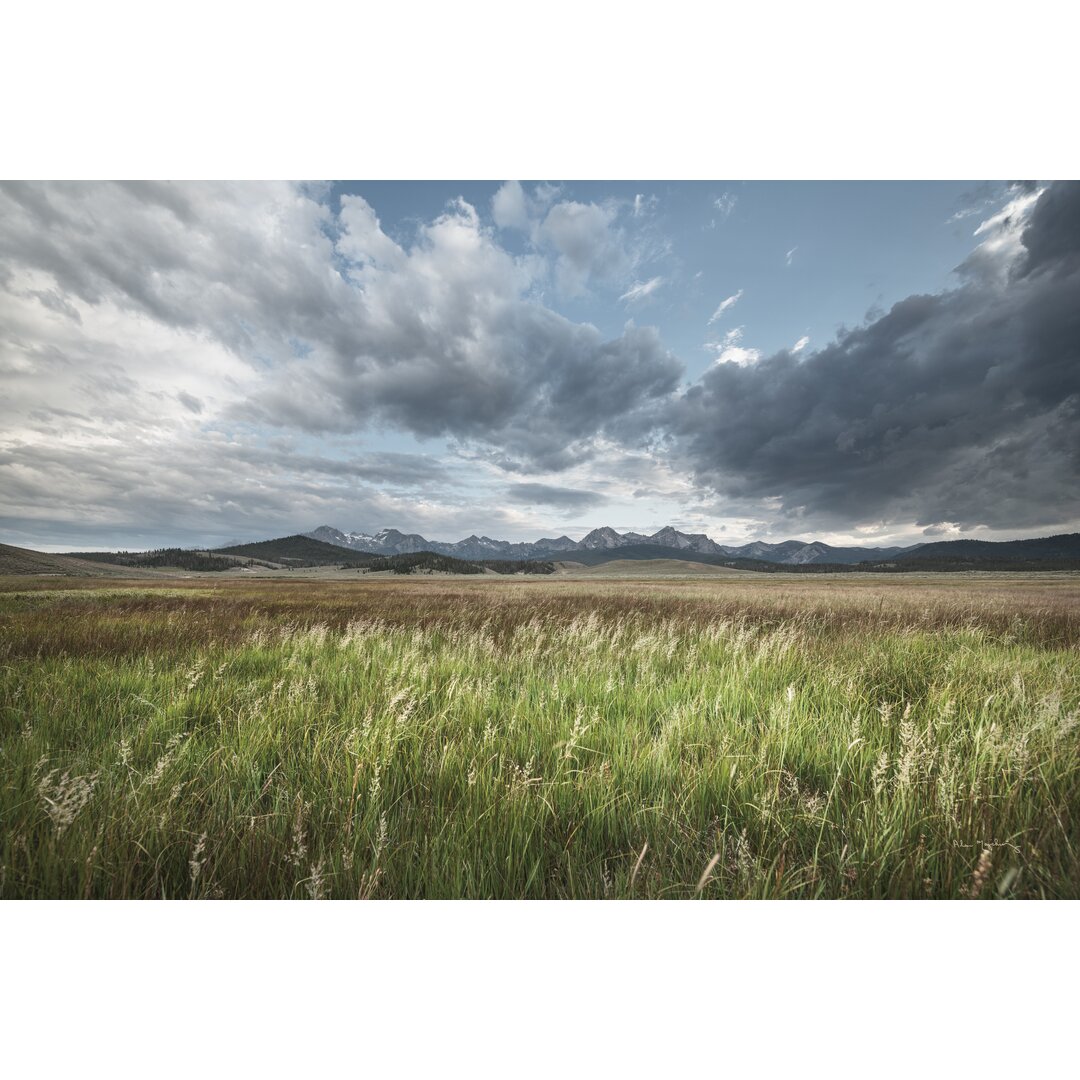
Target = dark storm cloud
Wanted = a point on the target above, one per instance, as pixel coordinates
(962, 406)
(536, 386)
(546, 495)
(1052, 236)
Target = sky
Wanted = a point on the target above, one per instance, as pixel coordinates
(857, 362)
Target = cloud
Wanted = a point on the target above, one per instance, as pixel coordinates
(725, 305)
(644, 205)
(800, 344)
(961, 407)
(1052, 238)
(158, 338)
(588, 244)
(200, 487)
(724, 206)
(201, 361)
(729, 350)
(979, 200)
(641, 290)
(560, 497)
(1001, 247)
(740, 355)
(790, 256)
(385, 468)
(737, 354)
(584, 246)
(510, 207)
(362, 239)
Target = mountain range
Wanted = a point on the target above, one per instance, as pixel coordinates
(789, 552)
(330, 547)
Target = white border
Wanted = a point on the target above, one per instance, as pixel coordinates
(539, 989)
(571, 89)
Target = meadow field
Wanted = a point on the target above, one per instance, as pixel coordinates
(740, 736)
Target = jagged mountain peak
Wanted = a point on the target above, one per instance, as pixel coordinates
(390, 541)
(604, 537)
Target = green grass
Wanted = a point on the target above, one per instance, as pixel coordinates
(537, 740)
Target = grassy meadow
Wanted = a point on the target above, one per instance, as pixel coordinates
(832, 737)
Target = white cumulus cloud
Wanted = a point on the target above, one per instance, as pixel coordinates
(729, 350)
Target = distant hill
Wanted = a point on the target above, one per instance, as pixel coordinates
(292, 551)
(943, 563)
(164, 559)
(305, 551)
(1065, 546)
(17, 560)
